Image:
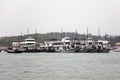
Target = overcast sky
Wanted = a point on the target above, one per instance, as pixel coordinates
(52, 15)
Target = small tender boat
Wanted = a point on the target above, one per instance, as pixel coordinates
(13, 50)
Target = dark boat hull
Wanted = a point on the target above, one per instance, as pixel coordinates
(11, 51)
(93, 51)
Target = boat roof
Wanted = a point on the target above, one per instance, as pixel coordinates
(29, 38)
(52, 42)
(24, 42)
(103, 41)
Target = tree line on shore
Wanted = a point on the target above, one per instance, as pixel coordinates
(6, 41)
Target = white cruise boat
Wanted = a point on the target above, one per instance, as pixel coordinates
(29, 45)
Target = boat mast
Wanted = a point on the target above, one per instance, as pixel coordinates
(105, 36)
(76, 37)
(84, 35)
(21, 36)
(98, 33)
(87, 32)
(35, 34)
(27, 31)
(61, 33)
(105, 40)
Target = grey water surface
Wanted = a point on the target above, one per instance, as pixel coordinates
(60, 66)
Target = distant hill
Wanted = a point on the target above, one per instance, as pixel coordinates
(6, 41)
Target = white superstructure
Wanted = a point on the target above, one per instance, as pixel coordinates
(59, 45)
(28, 44)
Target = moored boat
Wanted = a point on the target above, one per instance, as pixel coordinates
(29, 45)
(117, 47)
(13, 50)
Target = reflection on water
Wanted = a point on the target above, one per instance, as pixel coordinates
(60, 66)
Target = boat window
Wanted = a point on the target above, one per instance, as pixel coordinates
(57, 47)
(67, 43)
(30, 43)
(54, 43)
(100, 43)
(90, 43)
(67, 39)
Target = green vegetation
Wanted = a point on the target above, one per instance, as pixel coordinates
(6, 41)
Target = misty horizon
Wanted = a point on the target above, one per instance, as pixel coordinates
(53, 15)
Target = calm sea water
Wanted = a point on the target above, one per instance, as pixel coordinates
(60, 66)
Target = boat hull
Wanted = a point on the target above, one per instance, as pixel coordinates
(93, 51)
(12, 51)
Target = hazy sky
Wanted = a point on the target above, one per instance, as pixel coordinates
(52, 15)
